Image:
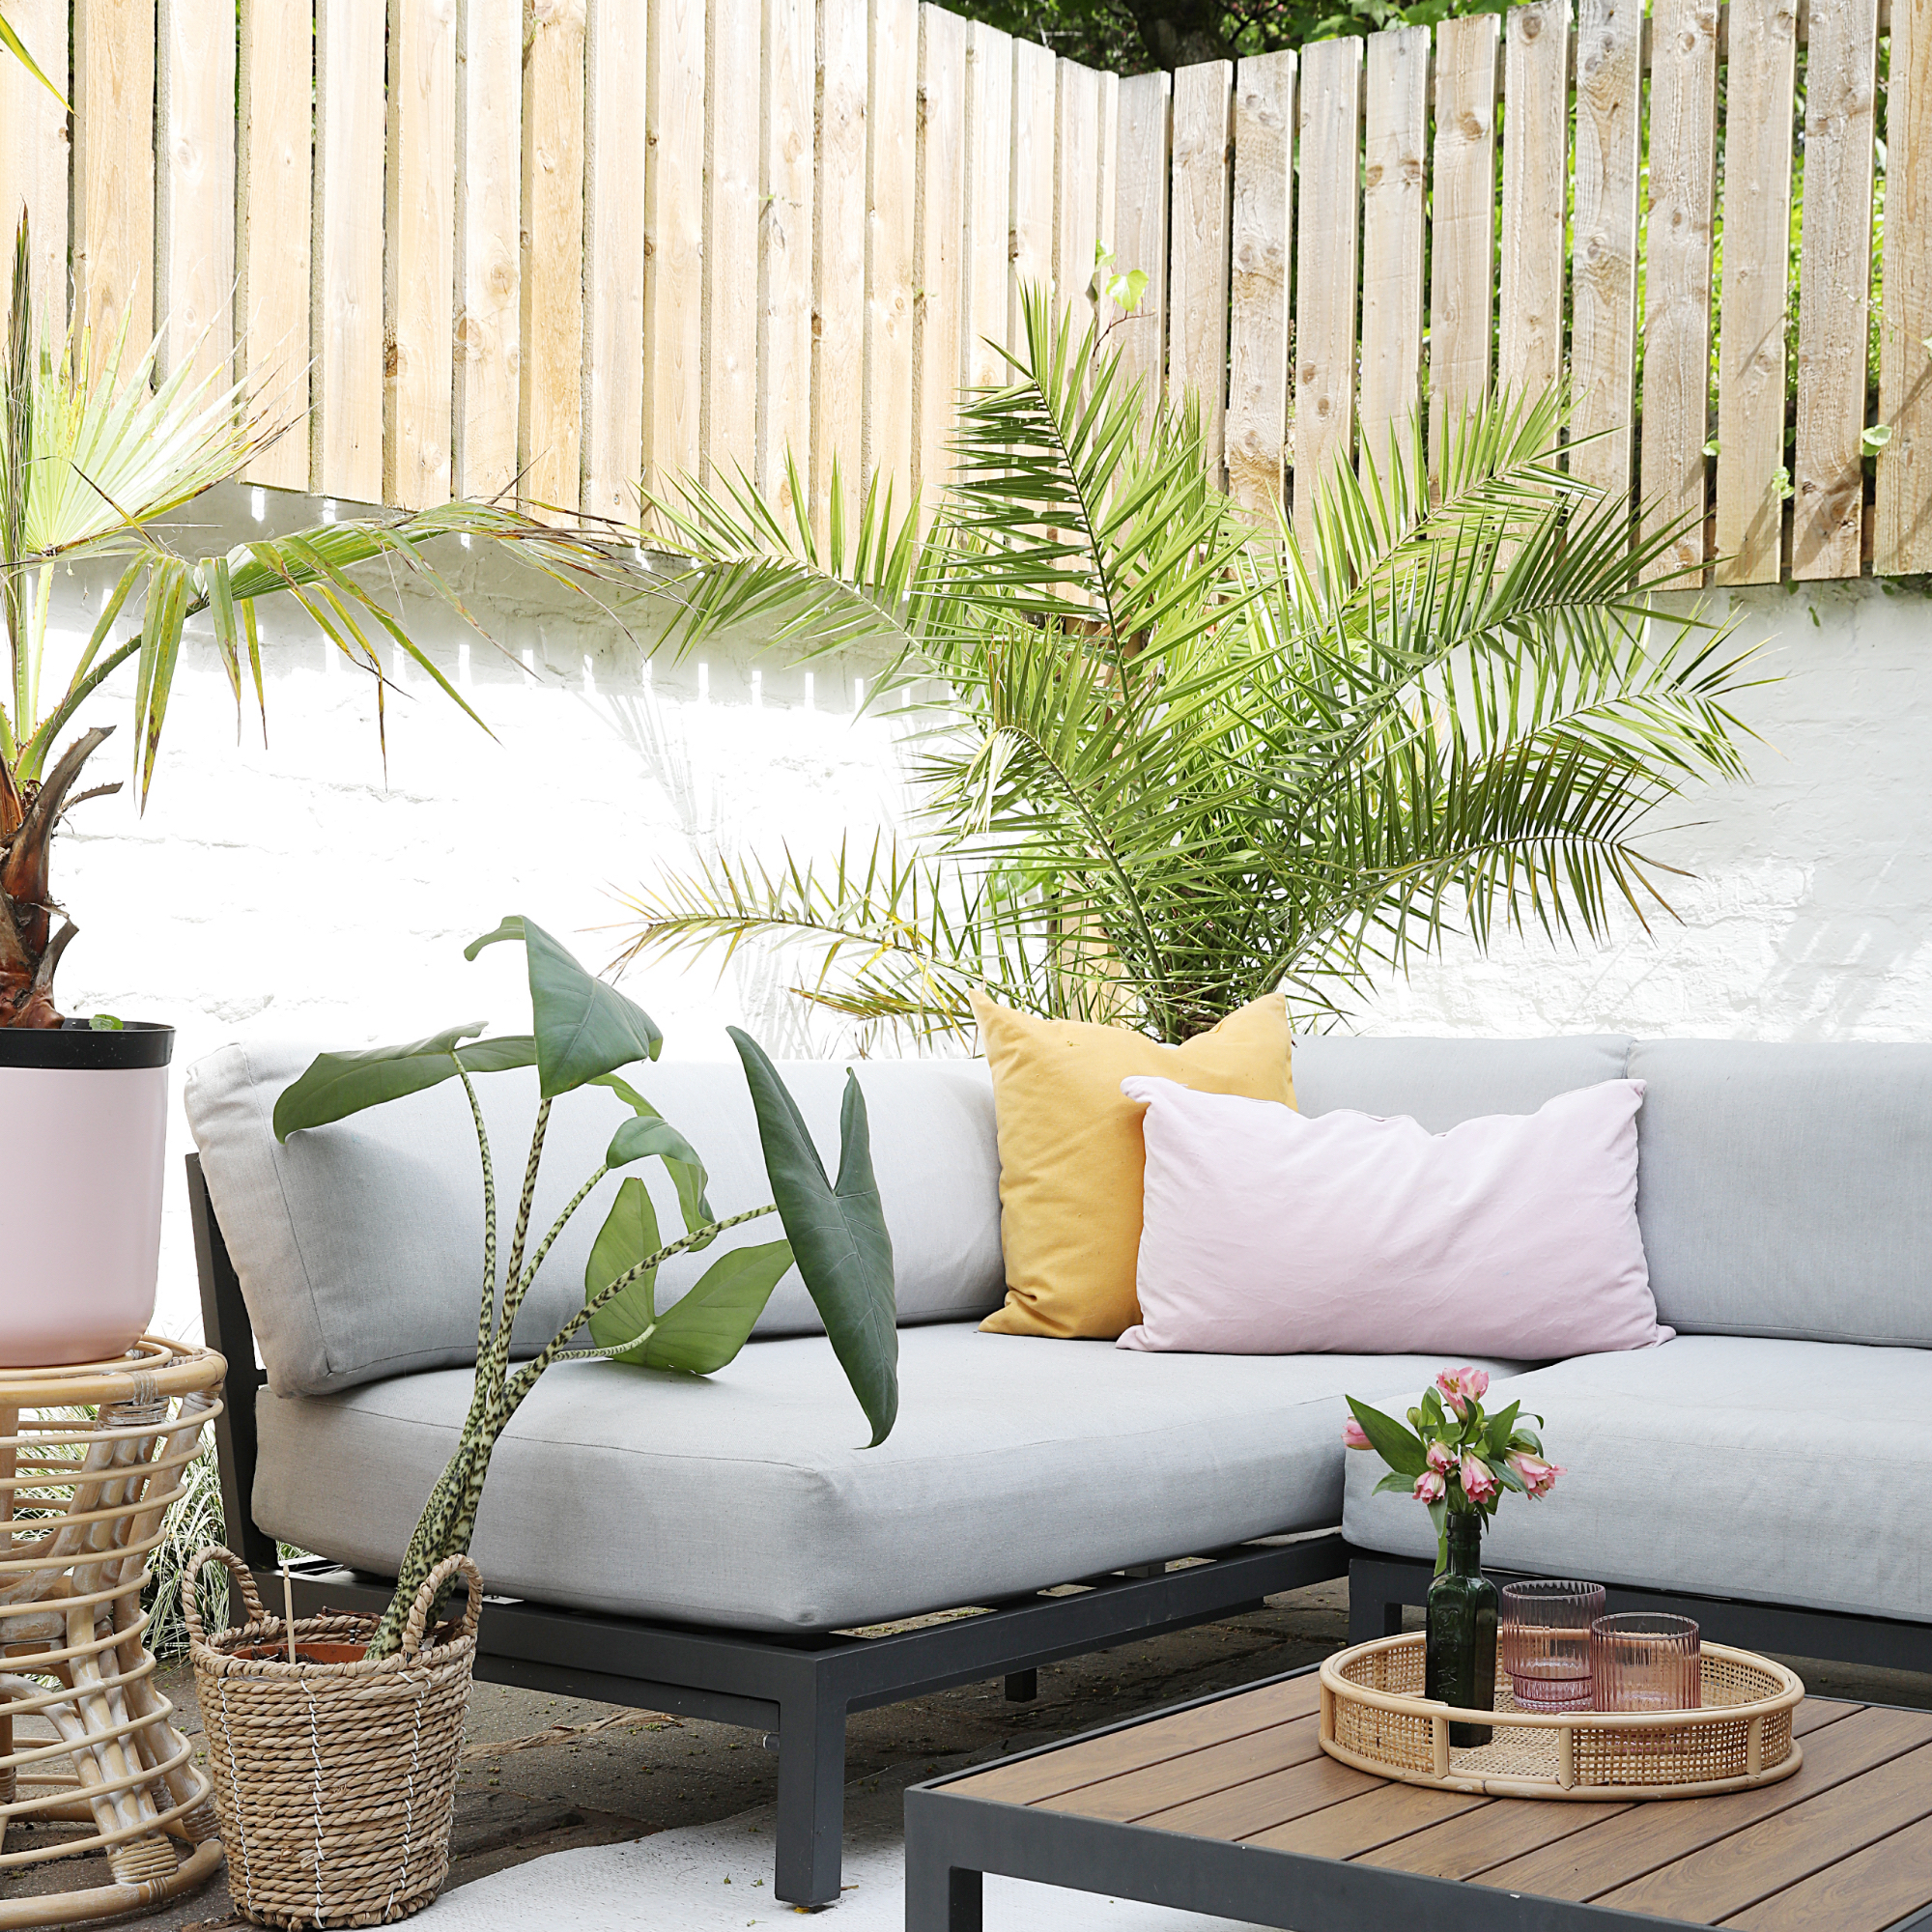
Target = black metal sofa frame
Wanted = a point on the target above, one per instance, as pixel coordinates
(797, 1690)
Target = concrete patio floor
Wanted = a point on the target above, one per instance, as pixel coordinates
(643, 1774)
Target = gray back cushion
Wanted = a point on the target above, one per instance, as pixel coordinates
(1443, 1081)
(360, 1245)
(1782, 1188)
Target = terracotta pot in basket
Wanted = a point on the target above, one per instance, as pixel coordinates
(335, 1782)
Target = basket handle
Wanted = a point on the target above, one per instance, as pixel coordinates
(236, 1569)
(432, 1589)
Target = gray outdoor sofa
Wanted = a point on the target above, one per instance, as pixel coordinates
(712, 1547)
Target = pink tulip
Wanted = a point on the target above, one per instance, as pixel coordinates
(1354, 1435)
(1479, 1481)
(1539, 1477)
(1461, 1386)
(1442, 1458)
(1429, 1487)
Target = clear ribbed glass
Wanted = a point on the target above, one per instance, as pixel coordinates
(1642, 1661)
(1545, 1642)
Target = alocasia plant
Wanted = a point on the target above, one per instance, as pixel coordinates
(583, 1033)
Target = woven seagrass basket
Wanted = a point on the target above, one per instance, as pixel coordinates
(335, 1782)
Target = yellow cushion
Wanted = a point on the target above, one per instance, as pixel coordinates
(1071, 1160)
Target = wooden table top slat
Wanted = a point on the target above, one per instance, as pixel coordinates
(1051, 1772)
(1865, 1893)
(1750, 1865)
(1378, 1817)
(1653, 1834)
(1199, 1774)
(1815, 1712)
(1463, 1846)
(1247, 1809)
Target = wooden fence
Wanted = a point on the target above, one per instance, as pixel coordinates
(569, 245)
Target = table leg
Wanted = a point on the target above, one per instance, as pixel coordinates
(940, 1896)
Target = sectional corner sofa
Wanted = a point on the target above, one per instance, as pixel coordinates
(725, 1548)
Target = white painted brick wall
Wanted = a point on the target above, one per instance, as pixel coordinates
(296, 893)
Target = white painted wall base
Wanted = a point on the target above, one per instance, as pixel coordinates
(294, 891)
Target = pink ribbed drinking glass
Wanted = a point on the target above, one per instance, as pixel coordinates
(1645, 1663)
(1544, 1642)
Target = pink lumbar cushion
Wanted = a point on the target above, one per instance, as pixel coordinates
(1270, 1233)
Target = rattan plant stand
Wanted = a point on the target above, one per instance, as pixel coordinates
(1376, 1718)
(91, 1456)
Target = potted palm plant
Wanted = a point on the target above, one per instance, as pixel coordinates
(92, 450)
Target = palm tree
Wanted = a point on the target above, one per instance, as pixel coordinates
(93, 451)
(1181, 759)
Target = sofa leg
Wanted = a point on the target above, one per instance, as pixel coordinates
(940, 1897)
(1022, 1686)
(1372, 1611)
(811, 1799)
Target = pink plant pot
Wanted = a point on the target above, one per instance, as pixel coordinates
(87, 1135)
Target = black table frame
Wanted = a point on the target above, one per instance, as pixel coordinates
(797, 1690)
(951, 1841)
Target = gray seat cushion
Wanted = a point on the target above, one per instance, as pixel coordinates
(360, 1245)
(1785, 1189)
(1444, 1082)
(1721, 1465)
(746, 1500)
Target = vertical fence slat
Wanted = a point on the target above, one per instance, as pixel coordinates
(1835, 290)
(421, 267)
(194, 251)
(891, 272)
(675, 243)
(1140, 223)
(1602, 341)
(114, 172)
(729, 427)
(1106, 218)
(1904, 535)
(489, 264)
(1462, 250)
(939, 345)
(348, 325)
(1677, 275)
(552, 406)
(1076, 187)
(1030, 224)
(990, 135)
(1263, 241)
(34, 153)
(1536, 178)
(785, 248)
(1328, 216)
(838, 253)
(1751, 328)
(1395, 145)
(615, 165)
(1197, 343)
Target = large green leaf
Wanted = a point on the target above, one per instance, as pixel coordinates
(687, 1174)
(640, 1138)
(630, 1233)
(838, 1232)
(339, 1084)
(705, 1330)
(584, 1027)
(1397, 1446)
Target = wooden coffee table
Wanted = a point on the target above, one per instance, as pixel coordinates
(1229, 1806)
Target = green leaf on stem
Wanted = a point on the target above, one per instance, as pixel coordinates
(1497, 1431)
(1439, 1515)
(1396, 1445)
(499, 1056)
(837, 1232)
(708, 1326)
(584, 1027)
(337, 1085)
(1395, 1480)
(640, 1138)
(688, 1176)
(629, 1234)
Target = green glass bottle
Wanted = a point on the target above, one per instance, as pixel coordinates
(1461, 1653)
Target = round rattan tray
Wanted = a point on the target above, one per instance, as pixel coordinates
(1375, 1717)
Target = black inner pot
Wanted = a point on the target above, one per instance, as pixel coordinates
(76, 1045)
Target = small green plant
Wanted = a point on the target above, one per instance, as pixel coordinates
(584, 1034)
